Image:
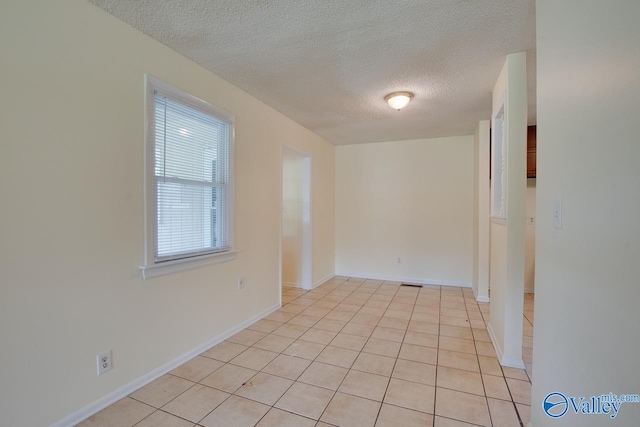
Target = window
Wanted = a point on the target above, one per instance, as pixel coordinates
(189, 191)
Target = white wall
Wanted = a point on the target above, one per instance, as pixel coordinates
(481, 203)
(292, 180)
(530, 238)
(411, 200)
(71, 221)
(508, 234)
(587, 338)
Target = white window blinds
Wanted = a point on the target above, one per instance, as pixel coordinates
(191, 176)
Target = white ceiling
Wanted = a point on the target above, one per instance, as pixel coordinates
(328, 64)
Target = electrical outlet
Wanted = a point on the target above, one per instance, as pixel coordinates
(240, 282)
(399, 260)
(104, 362)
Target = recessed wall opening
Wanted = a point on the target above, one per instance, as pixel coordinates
(295, 256)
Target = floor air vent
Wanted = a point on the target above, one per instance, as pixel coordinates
(411, 285)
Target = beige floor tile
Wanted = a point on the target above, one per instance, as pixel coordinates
(418, 353)
(264, 325)
(448, 422)
(460, 380)
(337, 356)
(303, 320)
(323, 375)
(236, 412)
(454, 313)
(379, 297)
(517, 374)
(457, 344)
(454, 359)
(275, 343)
(254, 358)
(462, 406)
(352, 308)
(157, 393)
(390, 322)
(525, 412)
(410, 395)
(388, 334)
(304, 349)
(495, 387)
(330, 325)
(419, 338)
(318, 336)
(481, 335)
(306, 400)
(520, 391)
(287, 366)
(195, 403)
(456, 332)
(490, 366)
(224, 351)
(382, 347)
(162, 419)
(358, 329)
(415, 371)
(485, 349)
(280, 316)
(377, 304)
(351, 342)
(228, 378)
(404, 299)
(397, 314)
(351, 411)
(247, 337)
(424, 327)
(374, 364)
(339, 315)
(278, 418)
(394, 416)
(503, 414)
(426, 317)
(196, 368)
(364, 384)
(454, 321)
(264, 388)
(124, 413)
(290, 331)
(292, 307)
(366, 319)
(401, 307)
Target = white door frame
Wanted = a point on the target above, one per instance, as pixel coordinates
(306, 215)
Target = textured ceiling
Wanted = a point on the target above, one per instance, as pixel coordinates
(328, 64)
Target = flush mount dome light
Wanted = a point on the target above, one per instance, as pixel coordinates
(398, 100)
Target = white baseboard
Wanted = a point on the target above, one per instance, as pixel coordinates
(483, 299)
(321, 281)
(408, 280)
(504, 361)
(127, 389)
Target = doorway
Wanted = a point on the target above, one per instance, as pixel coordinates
(295, 246)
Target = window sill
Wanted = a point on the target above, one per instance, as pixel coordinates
(170, 267)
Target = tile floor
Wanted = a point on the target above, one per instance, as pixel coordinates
(350, 353)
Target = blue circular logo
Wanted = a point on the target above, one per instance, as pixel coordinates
(555, 404)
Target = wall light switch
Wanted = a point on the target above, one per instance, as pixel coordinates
(557, 214)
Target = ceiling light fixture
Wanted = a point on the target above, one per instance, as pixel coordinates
(398, 100)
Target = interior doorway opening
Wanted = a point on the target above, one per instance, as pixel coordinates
(295, 252)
